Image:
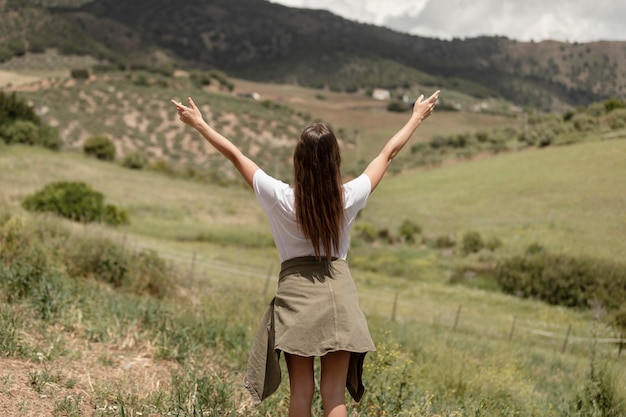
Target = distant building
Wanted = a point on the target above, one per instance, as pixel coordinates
(253, 96)
(381, 94)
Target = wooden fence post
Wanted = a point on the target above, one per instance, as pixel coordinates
(512, 328)
(569, 329)
(393, 310)
(192, 267)
(458, 315)
(620, 346)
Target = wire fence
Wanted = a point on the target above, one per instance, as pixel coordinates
(200, 269)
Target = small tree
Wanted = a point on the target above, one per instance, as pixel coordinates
(100, 147)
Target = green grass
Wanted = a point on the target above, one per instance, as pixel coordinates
(449, 350)
(568, 199)
(443, 349)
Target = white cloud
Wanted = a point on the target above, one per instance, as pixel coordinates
(564, 20)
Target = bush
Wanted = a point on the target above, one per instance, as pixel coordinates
(109, 262)
(49, 138)
(408, 230)
(28, 133)
(397, 106)
(584, 122)
(472, 243)
(100, 147)
(23, 132)
(76, 201)
(12, 108)
(564, 280)
(80, 74)
(617, 119)
(135, 160)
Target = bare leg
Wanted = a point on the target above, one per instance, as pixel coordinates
(301, 385)
(333, 383)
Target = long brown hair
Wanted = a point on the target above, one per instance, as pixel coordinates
(318, 189)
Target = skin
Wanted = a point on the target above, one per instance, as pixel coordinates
(334, 365)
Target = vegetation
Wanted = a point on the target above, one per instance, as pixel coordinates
(20, 124)
(162, 311)
(76, 201)
(271, 43)
(100, 147)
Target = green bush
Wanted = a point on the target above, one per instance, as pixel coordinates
(617, 119)
(564, 280)
(49, 138)
(13, 108)
(584, 122)
(366, 231)
(408, 230)
(26, 132)
(472, 242)
(397, 106)
(135, 160)
(100, 147)
(76, 201)
(442, 242)
(110, 262)
(22, 132)
(80, 74)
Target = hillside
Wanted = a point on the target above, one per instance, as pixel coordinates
(262, 41)
(84, 348)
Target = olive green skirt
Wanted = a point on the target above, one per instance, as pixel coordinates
(315, 311)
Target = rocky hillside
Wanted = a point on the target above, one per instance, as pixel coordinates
(262, 41)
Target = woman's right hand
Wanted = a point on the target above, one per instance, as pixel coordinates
(189, 115)
(423, 108)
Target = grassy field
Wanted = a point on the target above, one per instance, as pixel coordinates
(444, 349)
(447, 345)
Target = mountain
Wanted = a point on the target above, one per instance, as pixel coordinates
(262, 41)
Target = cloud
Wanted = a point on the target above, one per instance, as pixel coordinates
(564, 20)
(532, 19)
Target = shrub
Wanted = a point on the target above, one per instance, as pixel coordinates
(584, 122)
(617, 119)
(28, 133)
(443, 242)
(12, 108)
(76, 201)
(472, 243)
(135, 160)
(109, 262)
(100, 147)
(367, 232)
(80, 74)
(564, 280)
(397, 106)
(21, 131)
(49, 138)
(408, 230)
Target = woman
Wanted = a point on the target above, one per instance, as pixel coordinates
(315, 311)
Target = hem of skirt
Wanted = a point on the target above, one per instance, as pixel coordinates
(324, 352)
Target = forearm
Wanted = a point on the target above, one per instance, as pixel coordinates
(397, 141)
(218, 141)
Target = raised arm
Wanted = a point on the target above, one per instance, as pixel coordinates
(193, 117)
(421, 110)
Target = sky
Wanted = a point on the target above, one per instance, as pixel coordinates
(523, 20)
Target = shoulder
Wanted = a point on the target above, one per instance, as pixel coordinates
(357, 191)
(361, 184)
(267, 188)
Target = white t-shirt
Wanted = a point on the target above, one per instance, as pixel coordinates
(277, 199)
